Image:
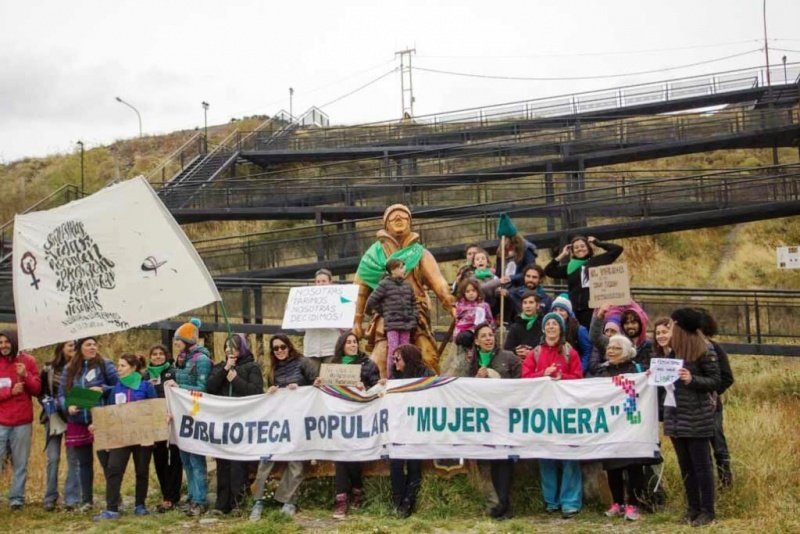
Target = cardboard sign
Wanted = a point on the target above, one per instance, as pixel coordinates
(609, 284)
(133, 423)
(788, 257)
(332, 306)
(664, 371)
(332, 374)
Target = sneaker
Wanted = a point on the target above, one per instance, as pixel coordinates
(69, 507)
(358, 498)
(614, 511)
(258, 509)
(688, 517)
(631, 513)
(569, 514)
(703, 519)
(16, 506)
(50, 506)
(165, 507)
(289, 509)
(141, 510)
(340, 508)
(85, 507)
(196, 510)
(550, 510)
(105, 515)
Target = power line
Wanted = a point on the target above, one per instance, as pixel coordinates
(354, 91)
(600, 77)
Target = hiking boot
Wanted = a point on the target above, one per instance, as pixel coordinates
(105, 515)
(614, 511)
(703, 519)
(501, 512)
(141, 510)
(569, 514)
(406, 508)
(289, 509)
(688, 517)
(358, 498)
(258, 509)
(340, 508)
(631, 513)
(196, 510)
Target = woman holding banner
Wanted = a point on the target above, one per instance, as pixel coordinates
(288, 369)
(88, 370)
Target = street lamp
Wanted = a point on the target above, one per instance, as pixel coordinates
(205, 122)
(82, 190)
(766, 44)
(785, 79)
(291, 115)
(134, 109)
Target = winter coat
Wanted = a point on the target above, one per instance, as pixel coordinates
(88, 377)
(320, 342)
(395, 301)
(693, 415)
(545, 301)
(298, 371)
(466, 312)
(628, 367)
(16, 410)
(122, 394)
(534, 365)
(518, 333)
(370, 375)
(158, 381)
(192, 369)
(504, 362)
(423, 372)
(599, 341)
(528, 257)
(249, 379)
(579, 295)
(725, 372)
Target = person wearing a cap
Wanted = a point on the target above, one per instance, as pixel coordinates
(689, 413)
(397, 241)
(556, 359)
(576, 334)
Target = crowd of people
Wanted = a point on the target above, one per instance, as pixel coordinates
(546, 336)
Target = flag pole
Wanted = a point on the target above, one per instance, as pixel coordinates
(502, 294)
(227, 322)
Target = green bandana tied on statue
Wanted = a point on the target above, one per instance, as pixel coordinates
(348, 359)
(155, 370)
(531, 320)
(575, 264)
(483, 274)
(373, 263)
(132, 381)
(484, 358)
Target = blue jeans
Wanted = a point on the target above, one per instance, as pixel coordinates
(17, 439)
(570, 496)
(72, 487)
(196, 477)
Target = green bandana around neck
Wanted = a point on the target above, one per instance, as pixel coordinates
(132, 381)
(155, 370)
(373, 263)
(575, 264)
(483, 274)
(531, 320)
(349, 359)
(484, 358)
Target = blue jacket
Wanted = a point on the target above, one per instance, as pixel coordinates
(192, 369)
(105, 378)
(145, 391)
(584, 347)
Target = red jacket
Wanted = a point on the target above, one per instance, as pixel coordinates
(570, 370)
(16, 410)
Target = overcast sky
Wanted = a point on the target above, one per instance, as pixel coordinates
(64, 62)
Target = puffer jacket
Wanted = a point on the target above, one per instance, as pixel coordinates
(422, 372)
(89, 376)
(725, 372)
(518, 333)
(579, 295)
(192, 369)
(628, 367)
(16, 410)
(504, 362)
(298, 371)
(144, 391)
(249, 379)
(395, 301)
(693, 416)
(158, 381)
(466, 313)
(370, 375)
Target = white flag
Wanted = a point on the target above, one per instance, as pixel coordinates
(112, 261)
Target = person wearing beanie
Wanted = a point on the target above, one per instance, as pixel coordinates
(238, 376)
(599, 334)
(192, 368)
(634, 322)
(554, 358)
(689, 414)
(19, 384)
(581, 255)
(575, 333)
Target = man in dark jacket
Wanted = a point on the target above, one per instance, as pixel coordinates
(531, 279)
(526, 331)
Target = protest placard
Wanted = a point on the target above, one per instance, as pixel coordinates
(132, 423)
(664, 371)
(609, 284)
(788, 257)
(332, 306)
(332, 374)
(83, 397)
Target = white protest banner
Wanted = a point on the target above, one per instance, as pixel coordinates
(112, 261)
(332, 374)
(426, 418)
(788, 257)
(664, 371)
(331, 306)
(609, 284)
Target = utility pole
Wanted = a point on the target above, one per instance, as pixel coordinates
(406, 83)
(766, 44)
(205, 123)
(291, 113)
(82, 189)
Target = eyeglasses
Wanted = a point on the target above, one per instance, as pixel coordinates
(279, 347)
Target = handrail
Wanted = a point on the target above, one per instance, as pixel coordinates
(169, 158)
(40, 202)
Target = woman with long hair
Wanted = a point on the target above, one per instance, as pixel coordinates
(288, 369)
(689, 414)
(54, 418)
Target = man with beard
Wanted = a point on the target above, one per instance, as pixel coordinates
(634, 326)
(532, 276)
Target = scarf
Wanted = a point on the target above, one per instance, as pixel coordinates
(132, 381)
(484, 358)
(483, 274)
(373, 263)
(531, 320)
(349, 359)
(575, 264)
(155, 370)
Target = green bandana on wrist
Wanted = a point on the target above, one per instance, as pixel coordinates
(483, 274)
(348, 359)
(132, 381)
(531, 320)
(484, 358)
(155, 370)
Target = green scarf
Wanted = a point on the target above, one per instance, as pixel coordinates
(373, 263)
(484, 358)
(483, 274)
(349, 359)
(155, 370)
(530, 318)
(132, 381)
(575, 264)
